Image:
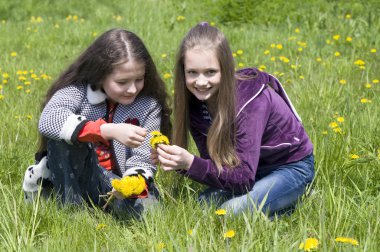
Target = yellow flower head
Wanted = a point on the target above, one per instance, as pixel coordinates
(129, 185)
(100, 226)
(354, 156)
(239, 52)
(220, 212)
(347, 240)
(373, 50)
(158, 138)
(309, 244)
(229, 234)
(340, 119)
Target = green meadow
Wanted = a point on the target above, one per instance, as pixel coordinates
(326, 54)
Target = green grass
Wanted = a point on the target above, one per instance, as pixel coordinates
(346, 198)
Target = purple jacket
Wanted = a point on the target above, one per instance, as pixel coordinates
(269, 133)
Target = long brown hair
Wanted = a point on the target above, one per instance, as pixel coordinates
(113, 47)
(220, 148)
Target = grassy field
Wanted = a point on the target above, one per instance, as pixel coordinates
(327, 55)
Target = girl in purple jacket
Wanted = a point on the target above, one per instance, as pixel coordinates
(253, 147)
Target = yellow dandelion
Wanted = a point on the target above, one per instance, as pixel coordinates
(1, 97)
(365, 100)
(13, 54)
(347, 240)
(234, 55)
(220, 212)
(309, 244)
(333, 125)
(239, 52)
(27, 91)
(160, 246)
(241, 64)
(375, 81)
(190, 232)
(5, 81)
(19, 87)
(348, 39)
(27, 83)
(359, 62)
(367, 85)
(354, 156)
(324, 132)
(279, 46)
(373, 50)
(164, 55)
(337, 54)
(158, 138)
(300, 49)
(212, 23)
(229, 234)
(22, 78)
(362, 67)
(340, 119)
(302, 77)
(328, 42)
(272, 45)
(266, 52)
(5, 75)
(167, 75)
(180, 18)
(337, 130)
(348, 16)
(318, 59)
(129, 185)
(1, 86)
(273, 58)
(343, 82)
(297, 30)
(336, 37)
(100, 226)
(262, 67)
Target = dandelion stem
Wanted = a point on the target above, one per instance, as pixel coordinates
(108, 202)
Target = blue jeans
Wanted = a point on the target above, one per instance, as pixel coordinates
(277, 190)
(78, 178)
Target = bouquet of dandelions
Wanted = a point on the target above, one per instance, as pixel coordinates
(133, 186)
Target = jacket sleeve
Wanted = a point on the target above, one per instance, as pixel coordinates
(58, 119)
(250, 128)
(139, 160)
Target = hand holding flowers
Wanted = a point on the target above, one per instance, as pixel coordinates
(127, 187)
(170, 157)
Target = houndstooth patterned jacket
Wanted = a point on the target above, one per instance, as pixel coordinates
(71, 107)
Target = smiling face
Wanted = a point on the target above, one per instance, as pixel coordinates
(202, 73)
(125, 82)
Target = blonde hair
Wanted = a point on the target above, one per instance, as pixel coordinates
(221, 149)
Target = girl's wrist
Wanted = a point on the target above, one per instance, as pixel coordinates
(106, 131)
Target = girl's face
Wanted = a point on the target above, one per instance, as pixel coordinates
(202, 73)
(125, 82)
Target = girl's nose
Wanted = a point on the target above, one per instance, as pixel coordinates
(201, 82)
(131, 89)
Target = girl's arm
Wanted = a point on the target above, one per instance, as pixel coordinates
(250, 127)
(58, 119)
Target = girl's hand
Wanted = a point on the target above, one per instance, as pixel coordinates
(173, 157)
(154, 156)
(128, 134)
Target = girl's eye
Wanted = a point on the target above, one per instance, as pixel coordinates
(191, 72)
(211, 72)
(140, 80)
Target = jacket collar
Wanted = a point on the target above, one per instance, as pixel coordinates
(95, 96)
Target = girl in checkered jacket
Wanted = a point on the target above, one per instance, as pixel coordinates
(95, 123)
